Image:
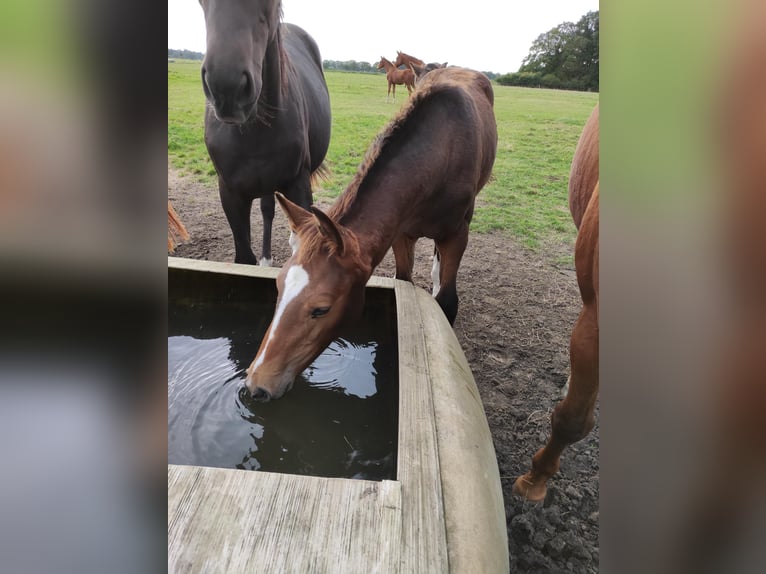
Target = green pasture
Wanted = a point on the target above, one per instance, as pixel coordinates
(537, 134)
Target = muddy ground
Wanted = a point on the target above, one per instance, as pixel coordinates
(517, 309)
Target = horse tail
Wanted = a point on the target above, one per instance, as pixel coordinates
(176, 229)
(322, 173)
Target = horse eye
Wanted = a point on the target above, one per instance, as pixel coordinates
(319, 312)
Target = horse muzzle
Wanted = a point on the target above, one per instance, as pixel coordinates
(262, 390)
(233, 98)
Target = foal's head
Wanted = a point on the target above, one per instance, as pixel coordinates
(320, 287)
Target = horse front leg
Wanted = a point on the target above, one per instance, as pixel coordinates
(267, 213)
(404, 255)
(447, 256)
(237, 209)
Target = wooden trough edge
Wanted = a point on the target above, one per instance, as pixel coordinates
(447, 499)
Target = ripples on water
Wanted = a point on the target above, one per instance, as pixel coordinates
(339, 419)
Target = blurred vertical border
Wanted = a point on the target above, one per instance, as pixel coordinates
(683, 259)
(83, 403)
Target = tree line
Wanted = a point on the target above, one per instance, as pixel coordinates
(566, 57)
(185, 54)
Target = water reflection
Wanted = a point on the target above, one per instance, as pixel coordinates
(339, 420)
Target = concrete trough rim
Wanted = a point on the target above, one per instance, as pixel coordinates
(443, 513)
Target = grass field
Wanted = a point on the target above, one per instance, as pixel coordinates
(537, 135)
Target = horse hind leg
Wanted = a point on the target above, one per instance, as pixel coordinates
(404, 255)
(573, 418)
(448, 254)
(237, 209)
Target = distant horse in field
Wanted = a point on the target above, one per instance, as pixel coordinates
(418, 66)
(176, 229)
(573, 419)
(267, 121)
(419, 178)
(396, 76)
(405, 60)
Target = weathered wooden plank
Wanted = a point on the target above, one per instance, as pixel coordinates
(224, 520)
(202, 265)
(424, 545)
(474, 511)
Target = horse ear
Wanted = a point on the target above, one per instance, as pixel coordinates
(444, 65)
(328, 228)
(295, 214)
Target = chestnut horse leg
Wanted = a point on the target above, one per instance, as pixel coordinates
(404, 255)
(573, 419)
(450, 252)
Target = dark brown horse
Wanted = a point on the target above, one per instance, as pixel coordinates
(419, 178)
(573, 419)
(396, 77)
(421, 71)
(267, 122)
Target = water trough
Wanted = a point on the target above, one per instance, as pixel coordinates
(442, 512)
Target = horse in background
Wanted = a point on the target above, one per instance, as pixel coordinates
(176, 229)
(573, 418)
(419, 178)
(267, 119)
(417, 65)
(406, 60)
(396, 77)
(421, 71)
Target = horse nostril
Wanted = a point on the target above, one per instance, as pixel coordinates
(246, 86)
(205, 86)
(260, 394)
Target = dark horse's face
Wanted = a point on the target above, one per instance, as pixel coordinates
(238, 34)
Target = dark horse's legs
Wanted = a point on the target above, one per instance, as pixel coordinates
(450, 252)
(267, 213)
(237, 210)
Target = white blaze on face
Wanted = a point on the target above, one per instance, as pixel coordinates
(295, 281)
(435, 275)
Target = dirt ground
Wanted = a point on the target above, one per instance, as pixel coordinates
(517, 309)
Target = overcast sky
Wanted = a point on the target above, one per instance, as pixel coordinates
(493, 36)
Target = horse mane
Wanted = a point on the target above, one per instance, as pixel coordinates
(266, 110)
(456, 78)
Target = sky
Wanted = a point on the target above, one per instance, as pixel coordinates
(494, 36)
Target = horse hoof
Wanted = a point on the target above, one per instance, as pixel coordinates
(265, 262)
(526, 487)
